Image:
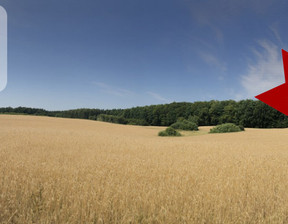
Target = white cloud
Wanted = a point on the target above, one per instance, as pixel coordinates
(275, 31)
(158, 97)
(112, 90)
(265, 73)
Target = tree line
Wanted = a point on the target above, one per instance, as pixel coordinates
(248, 113)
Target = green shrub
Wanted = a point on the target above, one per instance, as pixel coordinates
(241, 127)
(180, 119)
(224, 128)
(185, 125)
(169, 132)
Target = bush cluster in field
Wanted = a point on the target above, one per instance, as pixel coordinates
(169, 132)
(228, 127)
(180, 124)
(185, 125)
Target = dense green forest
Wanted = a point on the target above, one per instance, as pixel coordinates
(249, 113)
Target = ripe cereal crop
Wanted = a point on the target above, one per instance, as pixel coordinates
(55, 170)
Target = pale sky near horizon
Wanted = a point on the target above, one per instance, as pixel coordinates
(118, 54)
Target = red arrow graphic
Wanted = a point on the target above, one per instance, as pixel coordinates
(278, 96)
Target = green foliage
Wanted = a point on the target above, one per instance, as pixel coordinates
(169, 132)
(112, 119)
(224, 128)
(249, 113)
(180, 119)
(215, 111)
(185, 125)
(241, 127)
(194, 119)
(93, 118)
(140, 122)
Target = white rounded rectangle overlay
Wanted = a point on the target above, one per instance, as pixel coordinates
(3, 48)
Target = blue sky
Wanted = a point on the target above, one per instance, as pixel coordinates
(118, 54)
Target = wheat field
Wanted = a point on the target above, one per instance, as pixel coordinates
(55, 170)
